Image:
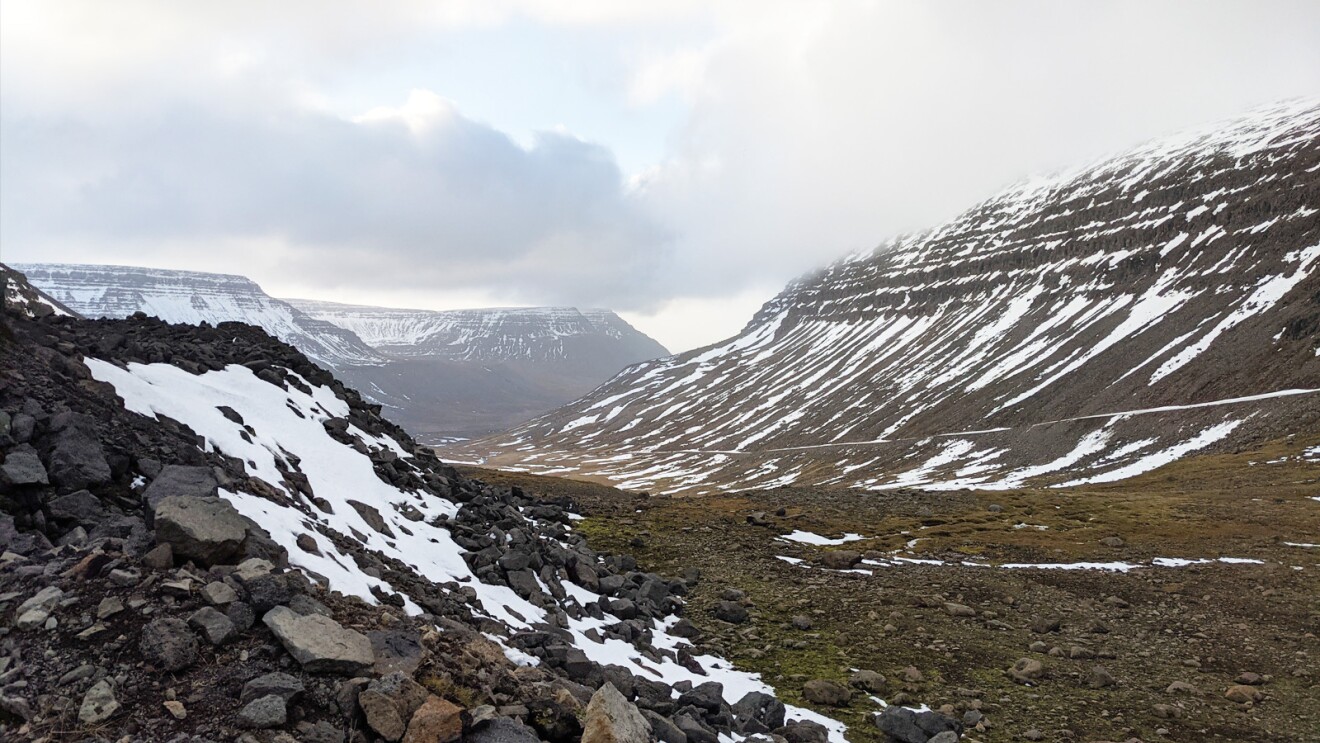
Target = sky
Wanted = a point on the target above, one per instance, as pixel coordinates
(678, 162)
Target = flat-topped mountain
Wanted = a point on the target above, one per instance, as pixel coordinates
(439, 374)
(1085, 327)
(195, 297)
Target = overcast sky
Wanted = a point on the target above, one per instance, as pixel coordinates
(678, 162)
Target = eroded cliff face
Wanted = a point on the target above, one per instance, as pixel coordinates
(1026, 340)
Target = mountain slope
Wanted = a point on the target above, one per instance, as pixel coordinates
(439, 374)
(241, 523)
(1024, 341)
(195, 297)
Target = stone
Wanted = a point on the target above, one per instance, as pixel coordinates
(207, 530)
(176, 480)
(320, 644)
(23, 467)
(176, 709)
(32, 619)
(804, 731)
(395, 650)
(77, 459)
(502, 730)
(761, 708)
(610, 718)
(214, 626)
(45, 600)
(436, 721)
(959, 610)
(1027, 671)
(80, 506)
(168, 643)
(664, 729)
(282, 685)
(1249, 678)
(1099, 678)
(948, 736)
(800, 622)
(909, 726)
(868, 681)
(708, 696)
(1243, 693)
(1112, 542)
(1181, 687)
(269, 711)
(824, 691)
(840, 559)
(731, 611)
(219, 594)
(372, 517)
(161, 557)
(98, 704)
(389, 703)
(109, 607)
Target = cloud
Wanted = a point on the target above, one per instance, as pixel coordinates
(412, 196)
(281, 140)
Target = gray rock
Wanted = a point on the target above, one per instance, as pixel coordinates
(502, 730)
(219, 594)
(758, 710)
(266, 712)
(948, 736)
(389, 703)
(161, 557)
(98, 704)
(241, 614)
(168, 643)
(77, 459)
(824, 691)
(208, 530)
(664, 730)
(395, 650)
(23, 467)
(731, 611)
(909, 726)
(109, 607)
(178, 480)
(695, 731)
(282, 685)
(304, 604)
(45, 599)
(610, 718)
(840, 559)
(804, 731)
(82, 507)
(868, 681)
(373, 518)
(214, 626)
(320, 644)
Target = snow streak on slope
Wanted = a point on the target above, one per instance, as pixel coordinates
(284, 429)
(1178, 274)
(495, 334)
(193, 297)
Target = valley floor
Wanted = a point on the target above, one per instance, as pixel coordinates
(1139, 645)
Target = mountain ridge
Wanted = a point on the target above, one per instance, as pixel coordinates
(1141, 281)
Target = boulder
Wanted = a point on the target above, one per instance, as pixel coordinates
(77, 459)
(502, 730)
(824, 691)
(804, 731)
(395, 649)
(320, 644)
(98, 704)
(840, 559)
(168, 643)
(389, 704)
(1243, 693)
(757, 709)
(208, 530)
(23, 467)
(611, 718)
(1027, 671)
(214, 626)
(731, 611)
(269, 711)
(436, 721)
(868, 681)
(282, 685)
(181, 481)
(909, 726)
(45, 600)
(81, 507)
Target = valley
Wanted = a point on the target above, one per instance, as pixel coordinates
(1156, 611)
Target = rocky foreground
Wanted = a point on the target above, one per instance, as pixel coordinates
(138, 604)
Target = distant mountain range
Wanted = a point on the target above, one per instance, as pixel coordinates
(1076, 329)
(440, 375)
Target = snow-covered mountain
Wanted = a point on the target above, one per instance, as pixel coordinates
(1080, 328)
(194, 297)
(439, 374)
(494, 334)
